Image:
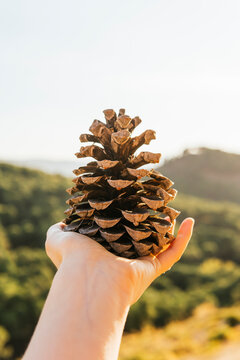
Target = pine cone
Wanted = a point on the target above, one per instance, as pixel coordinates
(114, 202)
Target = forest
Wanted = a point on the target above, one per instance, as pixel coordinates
(30, 201)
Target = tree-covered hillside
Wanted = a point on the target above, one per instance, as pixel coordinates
(207, 173)
(30, 201)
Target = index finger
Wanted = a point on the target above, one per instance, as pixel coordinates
(169, 257)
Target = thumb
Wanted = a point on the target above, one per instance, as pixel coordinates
(169, 257)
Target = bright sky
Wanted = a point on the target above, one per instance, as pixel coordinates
(174, 63)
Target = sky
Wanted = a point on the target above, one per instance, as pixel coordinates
(176, 64)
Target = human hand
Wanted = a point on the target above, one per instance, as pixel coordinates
(91, 293)
(130, 276)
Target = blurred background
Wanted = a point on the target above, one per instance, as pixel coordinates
(176, 65)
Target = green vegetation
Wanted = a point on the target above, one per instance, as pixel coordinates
(30, 201)
(197, 337)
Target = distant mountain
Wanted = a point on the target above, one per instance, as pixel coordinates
(206, 173)
(64, 168)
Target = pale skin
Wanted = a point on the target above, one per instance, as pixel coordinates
(92, 291)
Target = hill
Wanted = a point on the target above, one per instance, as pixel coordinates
(206, 173)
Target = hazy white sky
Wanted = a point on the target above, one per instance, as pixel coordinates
(174, 63)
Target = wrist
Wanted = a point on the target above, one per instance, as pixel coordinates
(99, 278)
(99, 305)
